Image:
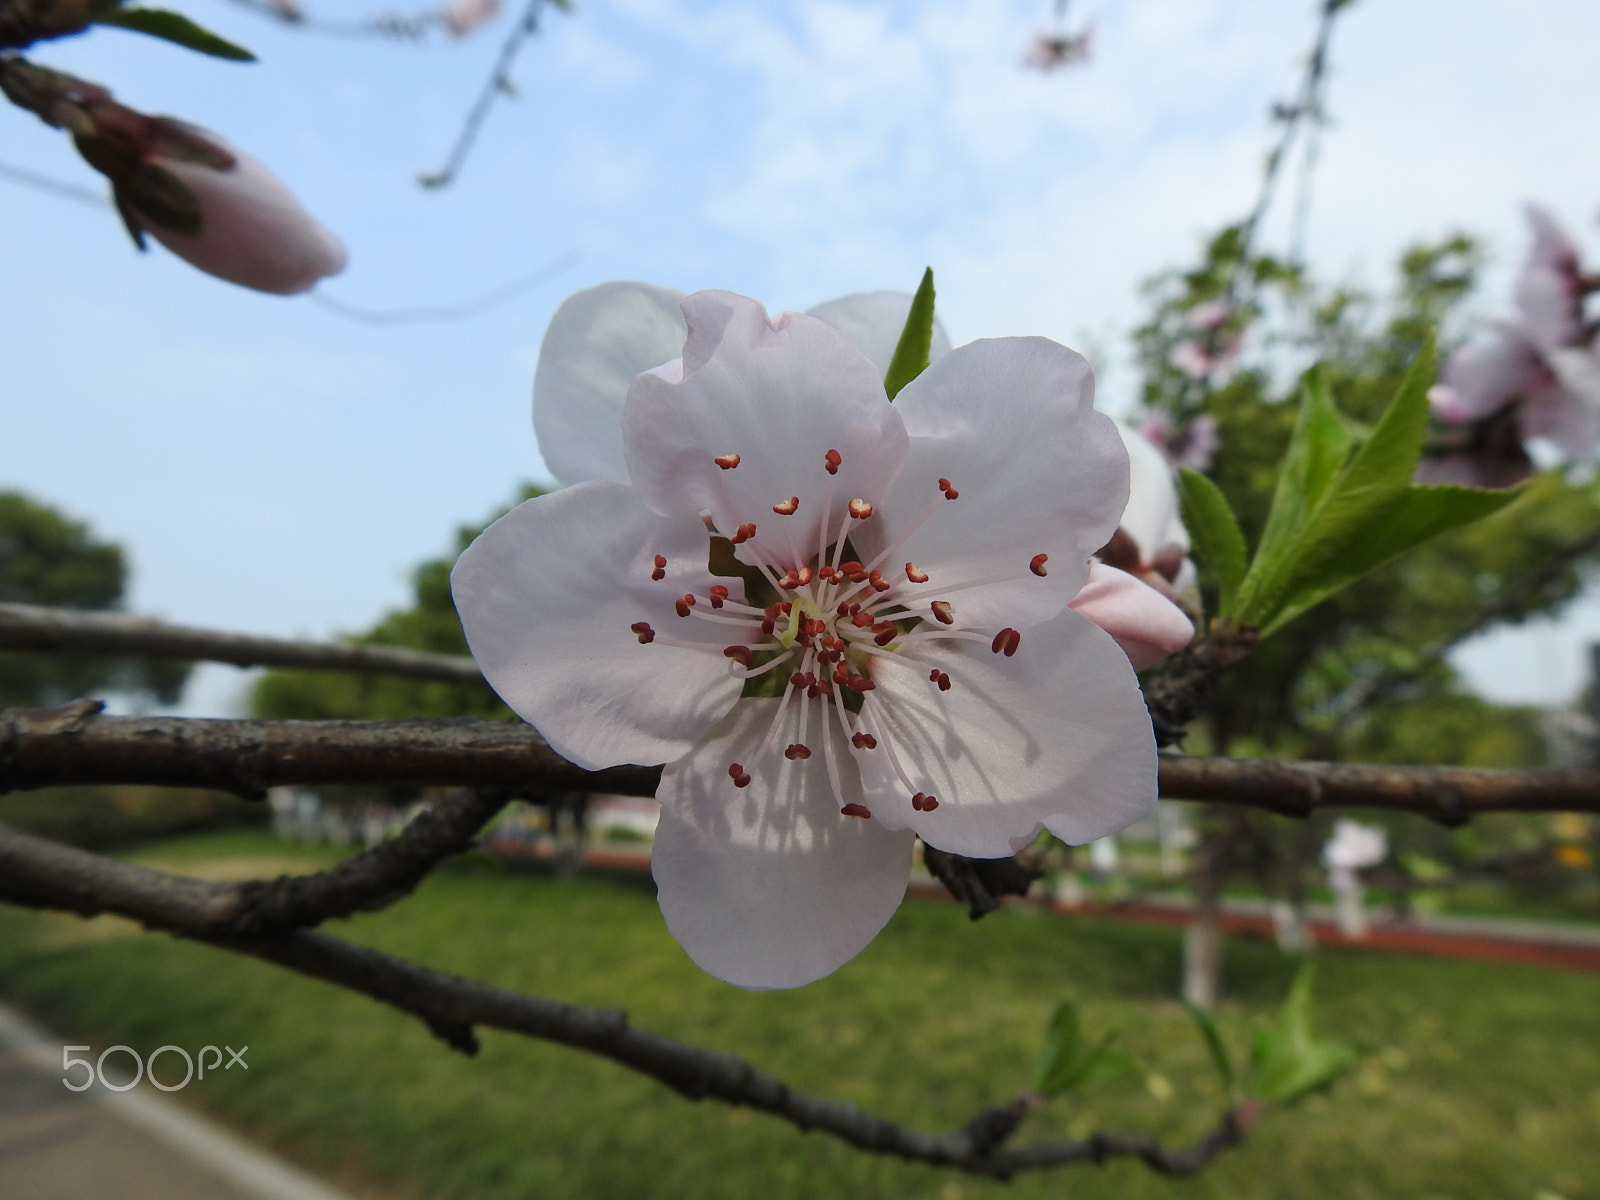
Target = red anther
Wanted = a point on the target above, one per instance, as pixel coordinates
(855, 609)
(660, 571)
(916, 574)
(856, 810)
(768, 624)
(1006, 642)
(941, 612)
(741, 654)
(861, 620)
(787, 509)
(646, 634)
(859, 683)
(832, 462)
(798, 750)
(881, 584)
(786, 607)
(802, 679)
(743, 534)
(916, 801)
(833, 643)
(682, 605)
(804, 576)
(816, 626)
(843, 610)
(860, 509)
(852, 570)
(944, 485)
(718, 595)
(788, 581)
(950, 493)
(1037, 564)
(726, 461)
(929, 803)
(819, 688)
(942, 679)
(885, 632)
(841, 675)
(863, 741)
(738, 775)
(826, 657)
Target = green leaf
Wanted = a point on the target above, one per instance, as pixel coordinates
(1219, 542)
(1416, 515)
(176, 28)
(1213, 1040)
(912, 351)
(1287, 1063)
(1317, 448)
(1066, 1063)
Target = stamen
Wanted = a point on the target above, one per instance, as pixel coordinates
(646, 634)
(924, 803)
(802, 679)
(856, 810)
(740, 654)
(915, 573)
(684, 604)
(739, 776)
(1006, 642)
(858, 683)
(726, 461)
(949, 492)
(660, 571)
(941, 612)
(719, 595)
(797, 750)
(863, 741)
(832, 462)
(784, 510)
(1037, 565)
(941, 678)
(743, 534)
(860, 509)
(885, 632)
(803, 575)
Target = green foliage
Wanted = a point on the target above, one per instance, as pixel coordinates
(912, 351)
(429, 624)
(176, 28)
(1067, 1061)
(47, 558)
(1219, 547)
(1287, 1064)
(1214, 1044)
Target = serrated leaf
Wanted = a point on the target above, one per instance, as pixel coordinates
(1218, 541)
(1287, 1063)
(1066, 1063)
(1415, 516)
(1213, 1041)
(1317, 448)
(176, 28)
(913, 350)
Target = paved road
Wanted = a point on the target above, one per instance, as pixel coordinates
(56, 1144)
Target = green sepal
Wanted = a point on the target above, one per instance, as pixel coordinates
(913, 351)
(1218, 540)
(1066, 1062)
(1287, 1063)
(176, 28)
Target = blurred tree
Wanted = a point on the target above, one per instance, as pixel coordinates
(47, 558)
(429, 624)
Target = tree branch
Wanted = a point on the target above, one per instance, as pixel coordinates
(72, 745)
(40, 874)
(37, 629)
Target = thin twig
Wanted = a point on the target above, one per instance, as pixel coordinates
(71, 745)
(35, 628)
(497, 85)
(39, 874)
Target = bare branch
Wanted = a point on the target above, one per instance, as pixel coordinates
(35, 628)
(71, 745)
(41, 874)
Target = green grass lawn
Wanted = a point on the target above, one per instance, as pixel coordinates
(1482, 1080)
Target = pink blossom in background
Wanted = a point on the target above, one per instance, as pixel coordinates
(886, 650)
(462, 17)
(1210, 353)
(1049, 51)
(1193, 445)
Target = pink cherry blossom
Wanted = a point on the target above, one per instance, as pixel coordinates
(462, 17)
(841, 624)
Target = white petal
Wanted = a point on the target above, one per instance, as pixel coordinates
(1140, 619)
(1057, 736)
(778, 393)
(599, 340)
(873, 323)
(1010, 424)
(1152, 516)
(1489, 371)
(546, 596)
(769, 886)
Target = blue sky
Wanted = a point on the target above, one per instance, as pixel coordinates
(274, 468)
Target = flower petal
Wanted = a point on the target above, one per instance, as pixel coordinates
(873, 323)
(1152, 517)
(779, 393)
(1140, 619)
(599, 340)
(1057, 736)
(768, 886)
(547, 596)
(1009, 423)
(1484, 375)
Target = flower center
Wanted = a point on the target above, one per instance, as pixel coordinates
(814, 624)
